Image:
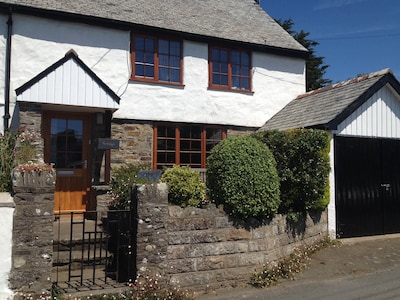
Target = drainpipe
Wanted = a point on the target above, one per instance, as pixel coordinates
(8, 73)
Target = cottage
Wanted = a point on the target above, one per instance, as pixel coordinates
(166, 79)
(363, 117)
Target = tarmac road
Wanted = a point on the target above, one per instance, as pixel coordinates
(361, 268)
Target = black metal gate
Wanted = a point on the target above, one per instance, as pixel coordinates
(89, 253)
(367, 179)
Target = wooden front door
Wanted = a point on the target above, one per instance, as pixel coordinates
(66, 137)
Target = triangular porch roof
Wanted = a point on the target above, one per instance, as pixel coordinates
(69, 82)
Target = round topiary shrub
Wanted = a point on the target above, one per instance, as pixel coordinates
(242, 175)
(185, 187)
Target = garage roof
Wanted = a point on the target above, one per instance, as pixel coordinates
(329, 106)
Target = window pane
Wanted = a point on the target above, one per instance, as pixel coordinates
(170, 132)
(246, 83)
(235, 82)
(245, 71)
(235, 57)
(175, 61)
(149, 58)
(171, 145)
(149, 45)
(139, 70)
(139, 56)
(215, 54)
(163, 60)
(224, 68)
(163, 74)
(139, 43)
(216, 79)
(161, 144)
(58, 126)
(149, 71)
(185, 145)
(224, 80)
(223, 56)
(163, 46)
(196, 132)
(196, 145)
(196, 158)
(175, 76)
(185, 159)
(245, 58)
(185, 131)
(175, 48)
(161, 131)
(236, 69)
(215, 134)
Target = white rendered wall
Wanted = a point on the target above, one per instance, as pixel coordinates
(38, 43)
(3, 41)
(276, 81)
(332, 200)
(6, 227)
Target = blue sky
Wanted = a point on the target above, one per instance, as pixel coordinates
(355, 36)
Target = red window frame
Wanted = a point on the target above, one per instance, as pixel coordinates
(229, 69)
(156, 59)
(184, 144)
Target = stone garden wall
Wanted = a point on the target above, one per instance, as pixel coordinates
(32, 235)
(204, 248)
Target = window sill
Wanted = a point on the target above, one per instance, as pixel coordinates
(230, 90)
(153, 82)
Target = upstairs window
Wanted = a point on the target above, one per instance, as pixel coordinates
(155, 59)
(184, 144)
(229, 69)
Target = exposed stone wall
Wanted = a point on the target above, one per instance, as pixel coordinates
(240, 131)
(30, 119)
(204, 248)
(136, 138)
(32, 233)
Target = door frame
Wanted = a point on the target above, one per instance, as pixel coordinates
(86, 149)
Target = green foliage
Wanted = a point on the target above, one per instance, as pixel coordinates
(302, 157)
(185, 187)
(315, 67)
(7, 147)
(123, 178)
(242, 175)
(288, 266)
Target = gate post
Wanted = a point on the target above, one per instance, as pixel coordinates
(32, 248)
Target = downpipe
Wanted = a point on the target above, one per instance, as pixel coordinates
(7, 116)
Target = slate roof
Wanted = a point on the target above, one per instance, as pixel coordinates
(327, 107)
(235, 20)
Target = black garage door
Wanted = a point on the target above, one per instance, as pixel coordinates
(367, 177)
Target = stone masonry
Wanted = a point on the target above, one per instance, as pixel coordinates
(135, 142)
(203, 248)
(32, 232)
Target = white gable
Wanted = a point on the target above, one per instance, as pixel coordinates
(69, 83)
(379, 116)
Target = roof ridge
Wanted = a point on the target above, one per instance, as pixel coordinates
(346, 82)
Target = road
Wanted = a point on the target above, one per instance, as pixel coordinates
(367, 268)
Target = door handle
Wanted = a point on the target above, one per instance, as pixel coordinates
(85, 164)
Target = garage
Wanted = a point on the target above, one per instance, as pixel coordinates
(363, 118)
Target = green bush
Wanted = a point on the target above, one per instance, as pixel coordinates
(185, 187)
(242, 175)
(7, 146)
(302, 157)
(123, 178)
